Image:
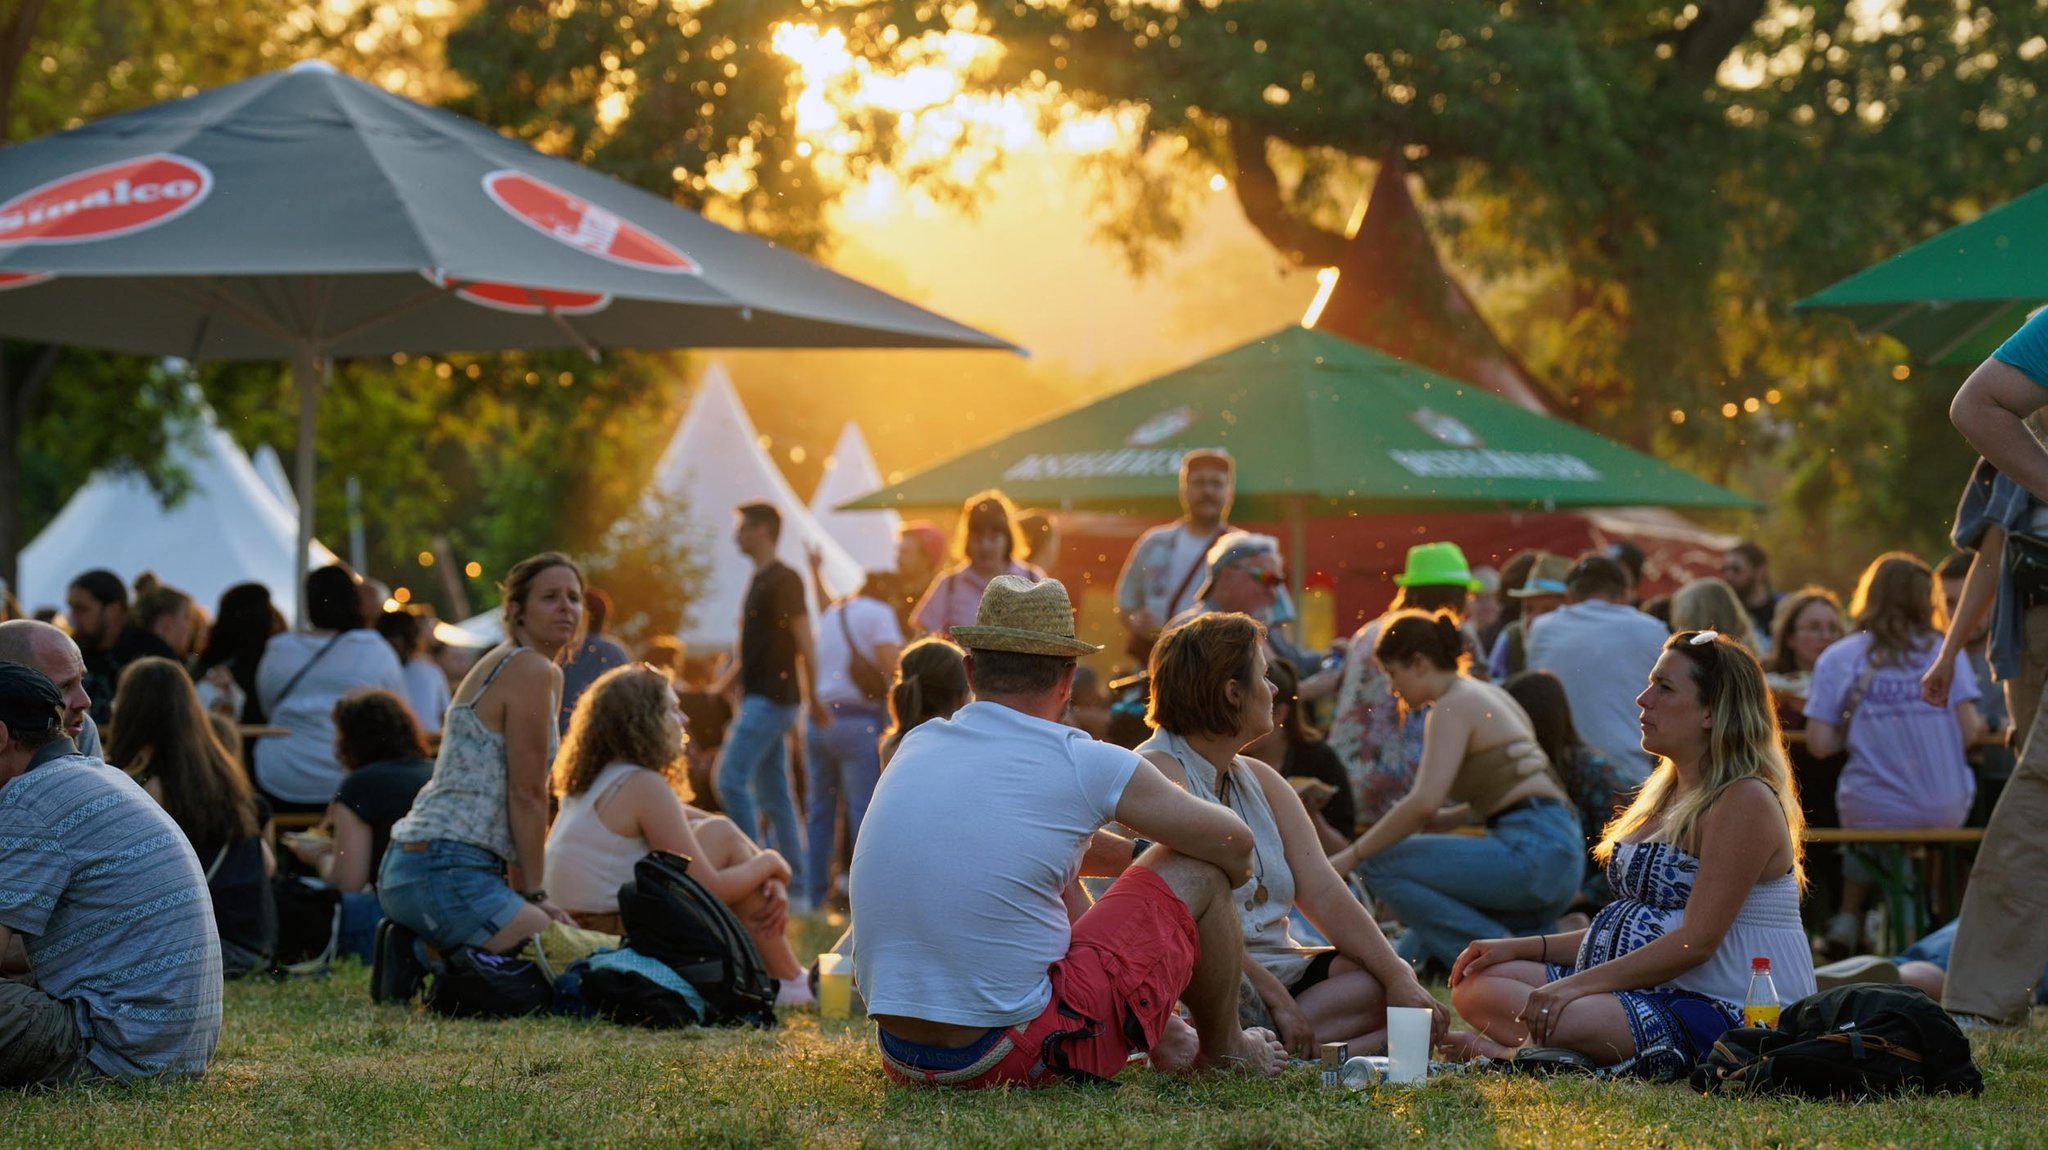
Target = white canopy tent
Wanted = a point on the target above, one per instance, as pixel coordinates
(270, 469)
(716, 462)
(850, 472)
(227, 529)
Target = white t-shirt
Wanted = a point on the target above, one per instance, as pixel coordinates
(300, 767)
(873, 624)
(976, 828)
(426, 691)
(1188, 550)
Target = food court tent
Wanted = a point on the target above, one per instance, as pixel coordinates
(850, 472)
(305, 215)
(1954, 298)
(1318, 425)
(715, 462)
(226, 529)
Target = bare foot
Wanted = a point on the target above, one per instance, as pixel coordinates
(1464, 1046)
(1177, 1048)
(1255, 1051)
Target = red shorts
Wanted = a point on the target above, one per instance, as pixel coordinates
(1131, 956)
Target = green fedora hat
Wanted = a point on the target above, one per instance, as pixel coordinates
(1437, 565)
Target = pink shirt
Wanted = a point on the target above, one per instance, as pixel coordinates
(954, 597)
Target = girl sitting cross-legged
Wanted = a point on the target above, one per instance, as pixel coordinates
(1706, 871)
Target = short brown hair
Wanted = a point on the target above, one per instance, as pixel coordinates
(1192, 664)
(1413, 634)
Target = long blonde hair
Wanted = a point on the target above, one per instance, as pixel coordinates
(623, 718)
(1744, 743)
(1896, 601)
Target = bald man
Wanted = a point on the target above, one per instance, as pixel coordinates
(39, 645)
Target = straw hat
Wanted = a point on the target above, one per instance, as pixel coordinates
(1023, 617)
(1547, 577)
(1437, 565)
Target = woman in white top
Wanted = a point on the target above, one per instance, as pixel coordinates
(1706, 867)
(1210, 699)
(621, 788)
(302, 675)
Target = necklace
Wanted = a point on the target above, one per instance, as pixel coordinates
(1259, 895)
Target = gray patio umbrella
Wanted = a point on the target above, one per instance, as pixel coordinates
(304, 215)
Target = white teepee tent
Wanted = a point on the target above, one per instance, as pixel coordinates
(227, 529)
(850, 472)
(270, 469)
(715, 461)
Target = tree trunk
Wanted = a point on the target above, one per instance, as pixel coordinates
(17, 392)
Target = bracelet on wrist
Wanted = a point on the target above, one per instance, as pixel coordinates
(534, 896)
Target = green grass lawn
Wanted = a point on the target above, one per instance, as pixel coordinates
(312, 1063)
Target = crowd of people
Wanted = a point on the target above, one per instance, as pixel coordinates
(1583, 811)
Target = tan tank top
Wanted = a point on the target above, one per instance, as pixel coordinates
(1487, 777)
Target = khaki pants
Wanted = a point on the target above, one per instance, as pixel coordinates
(2002, 935)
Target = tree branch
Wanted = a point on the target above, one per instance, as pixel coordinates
(16, 33)
(1712, 35)
(1258, 193)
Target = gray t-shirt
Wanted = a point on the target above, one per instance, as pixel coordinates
(1603, 654)
(111, 904)
(976, 829)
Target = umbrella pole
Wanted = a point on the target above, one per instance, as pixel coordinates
(309, 372)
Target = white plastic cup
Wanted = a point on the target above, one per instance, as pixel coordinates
(835, 986)
(1407, 1044)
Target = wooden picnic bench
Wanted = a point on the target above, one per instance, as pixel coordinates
(1906, 900)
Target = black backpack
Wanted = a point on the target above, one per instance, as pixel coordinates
(670, 916)
(1858, 1041)
(470, 982)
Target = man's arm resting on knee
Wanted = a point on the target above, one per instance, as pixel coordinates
(1989, 410)
(1158, 810)
(13, 955)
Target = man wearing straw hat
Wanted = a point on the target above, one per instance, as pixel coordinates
(977, 953)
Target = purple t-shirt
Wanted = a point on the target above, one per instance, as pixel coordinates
(1906, 766)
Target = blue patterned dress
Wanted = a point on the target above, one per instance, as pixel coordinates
(1652, 881)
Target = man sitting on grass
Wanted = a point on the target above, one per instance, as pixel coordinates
(106, 928)
(973, 953)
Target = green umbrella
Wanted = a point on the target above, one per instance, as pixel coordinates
(1953, 299)
(1317, 424)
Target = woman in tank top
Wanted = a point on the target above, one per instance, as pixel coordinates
(1480, 759)
(1707, 875)
(1210, 698)
(622, 788)
(464, 868)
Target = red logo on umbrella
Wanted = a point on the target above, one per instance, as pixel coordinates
(11, 280)
(104, 202)
(519, 299)
(583, 225)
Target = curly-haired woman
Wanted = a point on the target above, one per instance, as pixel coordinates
(621, 785)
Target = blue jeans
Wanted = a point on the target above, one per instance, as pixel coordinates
(1450, 889)
(753, 778)
(450, 893)
(842, 762)
(1934, 948)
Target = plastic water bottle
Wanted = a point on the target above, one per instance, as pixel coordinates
(1760, 1005)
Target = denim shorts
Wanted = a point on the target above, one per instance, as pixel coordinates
(449, 893)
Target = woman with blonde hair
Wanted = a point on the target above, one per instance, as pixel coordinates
(1707, 871)
(622, 788)
(464, 868)
(1907, 762)
(988, 543)
(1712, 605)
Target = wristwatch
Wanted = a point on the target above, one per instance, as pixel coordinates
(534, 896)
